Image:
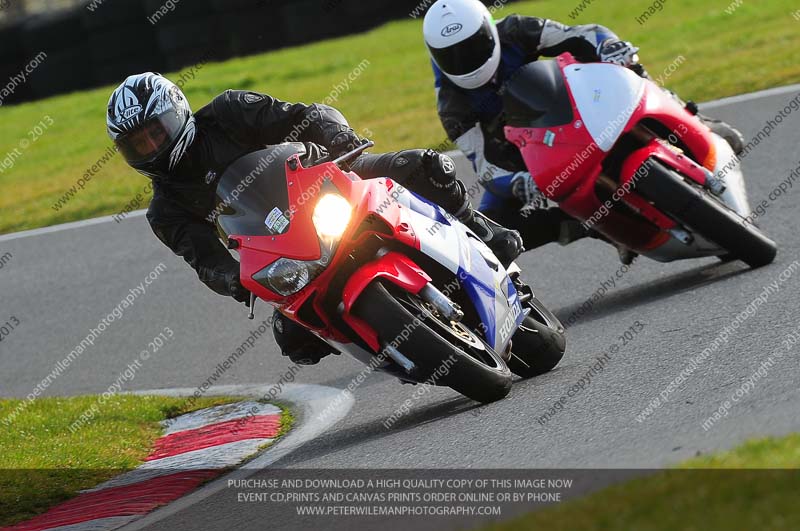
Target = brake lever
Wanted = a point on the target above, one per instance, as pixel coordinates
(352, 154)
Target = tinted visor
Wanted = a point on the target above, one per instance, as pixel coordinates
(468, 55)
(150, 140)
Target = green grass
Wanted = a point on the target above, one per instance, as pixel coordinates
(287, 419)
(393, 98)
(744, 488)
(43, 463)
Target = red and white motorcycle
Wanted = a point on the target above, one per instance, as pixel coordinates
(622, 156)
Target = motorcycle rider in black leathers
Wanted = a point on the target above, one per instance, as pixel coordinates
(185, 154)
(472, 57)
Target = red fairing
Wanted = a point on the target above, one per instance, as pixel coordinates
(560, 166)
(371, 200)
(636, 162)
(659, 106)
(394, 267)
(567, 165)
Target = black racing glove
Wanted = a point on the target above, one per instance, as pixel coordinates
(344, 142)
(235, 288)
(329, 128)
(618, 52)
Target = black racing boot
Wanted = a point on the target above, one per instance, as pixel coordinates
(300, 345)
(571, 230)
(505, 243)
(626, 256)
(731, 135)
(452, 195)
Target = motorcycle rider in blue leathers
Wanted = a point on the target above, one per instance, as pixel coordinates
(472, 57)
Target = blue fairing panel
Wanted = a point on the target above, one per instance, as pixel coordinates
(488, 286)
(420, 205)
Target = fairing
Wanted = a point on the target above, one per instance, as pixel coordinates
(257, 182)
(379, 205)
(607, 102)
(452, 245)
(606, 97)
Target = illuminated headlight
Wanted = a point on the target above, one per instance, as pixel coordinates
(332, 215)
(286, 276)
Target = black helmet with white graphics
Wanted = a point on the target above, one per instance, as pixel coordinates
(463, 41)
(151, 123)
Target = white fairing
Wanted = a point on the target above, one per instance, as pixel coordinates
(437, 240)
(440, 242)
(606, 97)
(450, 245)
(729, 170)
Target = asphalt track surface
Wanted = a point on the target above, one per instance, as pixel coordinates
(60, 284)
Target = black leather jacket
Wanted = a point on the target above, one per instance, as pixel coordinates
(233, 124)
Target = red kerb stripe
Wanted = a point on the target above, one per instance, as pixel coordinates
(259, 427)
(136, 499)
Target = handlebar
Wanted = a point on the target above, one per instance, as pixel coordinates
(357, 151)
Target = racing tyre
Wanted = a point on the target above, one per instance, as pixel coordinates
(444, 353)
(700, 211)
(539, 343)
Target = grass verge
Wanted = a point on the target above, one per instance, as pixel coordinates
(748, 487)
(392, 96)
(42, 463)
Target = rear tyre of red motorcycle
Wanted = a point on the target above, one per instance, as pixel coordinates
(467, 365)
(695, 207)
(539, 343)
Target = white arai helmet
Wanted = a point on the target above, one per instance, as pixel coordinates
(463, 41)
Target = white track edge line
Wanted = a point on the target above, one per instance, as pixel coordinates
(66, 226)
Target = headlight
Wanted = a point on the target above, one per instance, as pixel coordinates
(285, 276)
(332, 215)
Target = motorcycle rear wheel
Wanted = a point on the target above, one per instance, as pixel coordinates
(539, 343)
(444, 354)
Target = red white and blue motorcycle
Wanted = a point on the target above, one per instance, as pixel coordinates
(384, 275)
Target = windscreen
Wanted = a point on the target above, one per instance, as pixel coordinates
(536, 96)
(252, 194)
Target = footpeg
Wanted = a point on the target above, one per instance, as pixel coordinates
(717, 186)
(252, 314)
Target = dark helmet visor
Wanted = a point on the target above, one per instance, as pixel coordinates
(149, 141)
(468, 55)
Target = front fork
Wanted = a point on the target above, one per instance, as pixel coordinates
(401, 271)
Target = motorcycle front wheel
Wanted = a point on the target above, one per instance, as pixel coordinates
(696, 208)
(444, 353)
